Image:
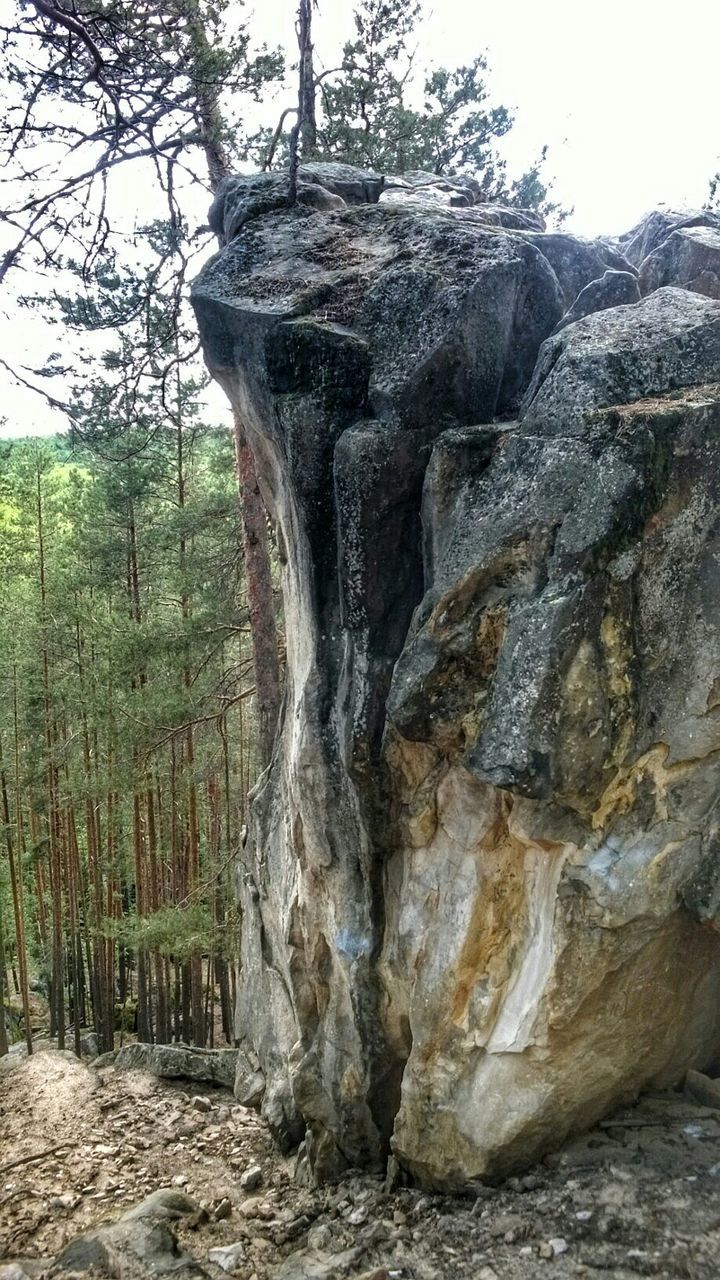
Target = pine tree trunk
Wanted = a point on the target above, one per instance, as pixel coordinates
(112, 911)
(303, 137)
(73, 933)
(177, 1002)
(221, 964)
(16, 888)
(192, 876)
(162, 1034)
(198, 1017)
(56, 888)
(3, 980)
(39, 889)
(97, 949)
(58, 998)
(186, 1003)
(20, 850)
(77, 907)
(144, 1015)
(144, 1032)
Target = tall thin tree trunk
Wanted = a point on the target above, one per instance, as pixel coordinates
(58, 997)
(3, 981)
(193, 842)
(73, 930)
(16, 888)
(198, 1018)
(303, 137)
(20, 848)
(177, 1002)
(39, 887)
(143, 1020)
(56, 887)
(98, 981)
(162, 1032)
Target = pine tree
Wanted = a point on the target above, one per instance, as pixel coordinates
(145, 88)
(128, 780)
(377, 110)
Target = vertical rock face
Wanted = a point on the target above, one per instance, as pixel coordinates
(480, 889)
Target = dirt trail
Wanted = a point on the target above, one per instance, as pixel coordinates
(639, 1196)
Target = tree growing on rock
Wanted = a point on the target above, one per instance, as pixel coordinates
(375, 110)
(372, 112)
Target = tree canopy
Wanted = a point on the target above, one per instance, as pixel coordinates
(382, 107)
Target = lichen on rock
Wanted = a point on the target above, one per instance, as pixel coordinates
(480, 889)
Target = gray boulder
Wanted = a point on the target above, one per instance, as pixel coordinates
(668, 341)
(653, 229)
(480, 887)
(689, 257)
(180, 1062)
(105, 1059)
(242, 199)
(613, 289)
(249, 1083)
(90, 1045)
(577, 262)
(461, 192)
(163, 1205)
(138, 1245)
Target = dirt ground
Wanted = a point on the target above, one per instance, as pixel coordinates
(640, 1196)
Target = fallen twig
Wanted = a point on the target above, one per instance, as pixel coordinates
(40, 1155)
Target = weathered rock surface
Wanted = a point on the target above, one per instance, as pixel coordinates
(138, 1245)
(689, 257)
(613, 289)
(577, 262)
(481, 886)
(703, 1089)
(178, 1062)
(650, 233)
(668, 341)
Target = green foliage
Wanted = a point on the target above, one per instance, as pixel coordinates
(363, 115)
(367, 118)
(178, 932)
(125, 675)
(138, 681)
(144, 88)
(376, 110)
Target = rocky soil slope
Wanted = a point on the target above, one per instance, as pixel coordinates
(480, 891)
(203, 1192)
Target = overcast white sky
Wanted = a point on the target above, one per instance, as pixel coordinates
(624, 92)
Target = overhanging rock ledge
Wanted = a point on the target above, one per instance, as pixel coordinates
(481, 885)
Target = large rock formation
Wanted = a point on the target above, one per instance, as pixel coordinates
(481, 883)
